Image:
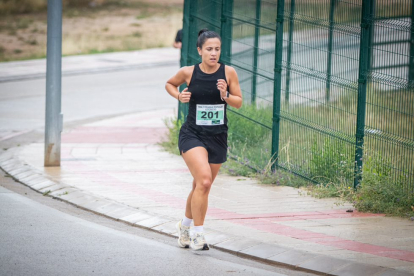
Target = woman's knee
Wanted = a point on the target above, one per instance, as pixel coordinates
(204, 183)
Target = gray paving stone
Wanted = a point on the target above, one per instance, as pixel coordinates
(324, 264)
(120, 213)
(110, 207)
(96, 205)
(217, 237)
(18, 170)
(13, 164)
(136, 217)
(167, 228)
(23, 175)
(83, 201)
(42, 185)
(237, 245)
(292, 257)
(152, 222)
(393, 272)
(354, 269)
(35, 180)
(264, 250)
(9, 163)
(29, 177)
(4, 164)
(5, 157)
(52, 188)
(69, 194)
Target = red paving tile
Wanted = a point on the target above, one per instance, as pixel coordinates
(328, 240)
(315, 215)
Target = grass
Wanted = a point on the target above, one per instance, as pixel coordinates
(72, 7)
(97, 26)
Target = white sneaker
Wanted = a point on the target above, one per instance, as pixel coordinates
(183, 235)
(198, 242)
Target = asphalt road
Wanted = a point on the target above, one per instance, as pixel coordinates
(86, 96)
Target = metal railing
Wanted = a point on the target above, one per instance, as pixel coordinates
(327, 84)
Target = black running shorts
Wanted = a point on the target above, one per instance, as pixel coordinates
(216, 145)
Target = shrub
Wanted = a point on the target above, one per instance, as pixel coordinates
(170, 143)
(379, 192)
(331, 161)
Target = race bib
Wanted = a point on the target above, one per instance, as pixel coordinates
(210, 114)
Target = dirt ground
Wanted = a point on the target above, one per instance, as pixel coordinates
(141, 25)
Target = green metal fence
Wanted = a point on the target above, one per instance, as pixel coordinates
(327, 84)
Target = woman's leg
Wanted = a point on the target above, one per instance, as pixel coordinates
(203, 173)
(188, 205)
(214, 171)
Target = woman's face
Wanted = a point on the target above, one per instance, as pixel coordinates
(210, 51)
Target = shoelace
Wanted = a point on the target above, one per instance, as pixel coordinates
(201, 237)
(185, 232)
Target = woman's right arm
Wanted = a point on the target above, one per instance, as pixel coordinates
(172, 85)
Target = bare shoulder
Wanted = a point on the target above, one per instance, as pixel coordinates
(231, 73)
(230, 70)
(186, 70)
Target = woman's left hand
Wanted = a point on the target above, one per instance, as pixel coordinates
(222, 86)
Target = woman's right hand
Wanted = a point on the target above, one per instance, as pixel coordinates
(185, 96)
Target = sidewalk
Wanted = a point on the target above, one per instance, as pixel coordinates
(75, 65)
(114, 167)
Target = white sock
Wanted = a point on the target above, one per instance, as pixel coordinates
(198, 229)
(186, 221)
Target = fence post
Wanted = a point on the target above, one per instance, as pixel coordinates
(226, 31)
(213, 13)
(411, 57)
(371, 35)
(186, 33)
(362, 86)
(277, 82)
(193, 28)
(289, 53)
(256, 50)
(183, 108)
(54, 118)
(330, 38)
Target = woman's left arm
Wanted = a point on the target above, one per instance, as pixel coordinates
(235, 95)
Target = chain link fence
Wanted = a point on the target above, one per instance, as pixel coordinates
(327, 84)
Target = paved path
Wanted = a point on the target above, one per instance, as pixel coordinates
(115, 167)
(77, 65)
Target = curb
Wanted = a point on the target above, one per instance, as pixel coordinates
(251, 249)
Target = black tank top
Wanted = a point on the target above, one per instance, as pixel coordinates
(207, 113)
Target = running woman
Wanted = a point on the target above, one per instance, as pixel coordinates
(211, 86)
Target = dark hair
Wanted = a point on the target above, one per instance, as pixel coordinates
(205, 34)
